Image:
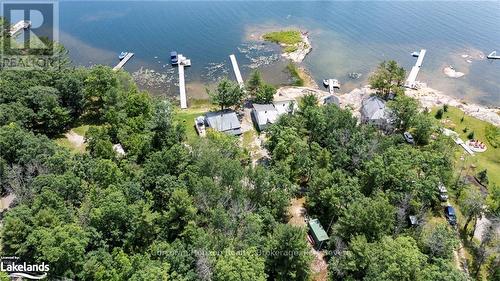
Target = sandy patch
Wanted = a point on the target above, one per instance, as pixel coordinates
(295, 93)
(76, 140)
(297, 212)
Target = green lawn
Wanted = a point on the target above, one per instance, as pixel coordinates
(288, 37)
(64, 142)
(81, 130)
(186, 116)
(490, 159)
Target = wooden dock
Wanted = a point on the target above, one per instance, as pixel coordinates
(182, 87)
(237, 72)
(123, 61)
(412, 77)
(24, 24)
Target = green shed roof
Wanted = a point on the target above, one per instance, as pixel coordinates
(317, 230)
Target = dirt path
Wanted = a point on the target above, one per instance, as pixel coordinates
(297, 213)
(459, 258)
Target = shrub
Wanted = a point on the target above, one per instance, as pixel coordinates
(445, 108)
(482, 176)
(439, 113)
(471, 135)
(492, 134)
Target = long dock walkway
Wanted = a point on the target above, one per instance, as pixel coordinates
(24, 24)
(412, 77)
(123, 61)
(237, 72)
(182, 87)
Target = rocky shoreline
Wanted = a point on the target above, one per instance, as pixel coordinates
(303, 49)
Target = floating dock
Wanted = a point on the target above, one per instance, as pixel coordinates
(412, 77)
(237, 72)
(24, 24)
(123, 61)
(493, 56)
(332, 84)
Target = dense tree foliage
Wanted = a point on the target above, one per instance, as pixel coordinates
(388, 78)
(362, 186)
(163, 211)
(227, 94)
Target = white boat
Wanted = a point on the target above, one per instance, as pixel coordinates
(415, 54)
(199, 123)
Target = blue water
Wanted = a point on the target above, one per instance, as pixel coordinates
(346, 37)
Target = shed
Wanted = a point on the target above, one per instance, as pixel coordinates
(225, 121)
(264, 114)
(317, 232)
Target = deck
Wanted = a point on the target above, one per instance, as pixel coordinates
(237, 72)
(123, 61)
(412, 77)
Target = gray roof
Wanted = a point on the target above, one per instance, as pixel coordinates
(223, 121)
(331, 100)
(374, 108)
(265, 113)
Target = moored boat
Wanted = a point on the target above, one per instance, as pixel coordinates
(122, 55)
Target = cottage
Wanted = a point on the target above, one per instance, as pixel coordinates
(225, 121)
(318, 233)
(374, 111)
(264, 114)
(285, 106)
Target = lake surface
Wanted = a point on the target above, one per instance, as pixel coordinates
(346, 37)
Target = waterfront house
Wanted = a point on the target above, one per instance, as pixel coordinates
(263, 115)
(225, 121)
(374, 111)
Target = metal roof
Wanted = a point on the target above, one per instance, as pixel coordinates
(222, 121)
(265, 113)
(318, 230)
(374, 108)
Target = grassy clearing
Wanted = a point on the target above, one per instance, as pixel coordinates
(456, 120)
(287, 37)
(294, 72)
(81, 130)
(186, 117)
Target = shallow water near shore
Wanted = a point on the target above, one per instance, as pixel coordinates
(345, 36)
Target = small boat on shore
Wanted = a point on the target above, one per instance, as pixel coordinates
(122, 55)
